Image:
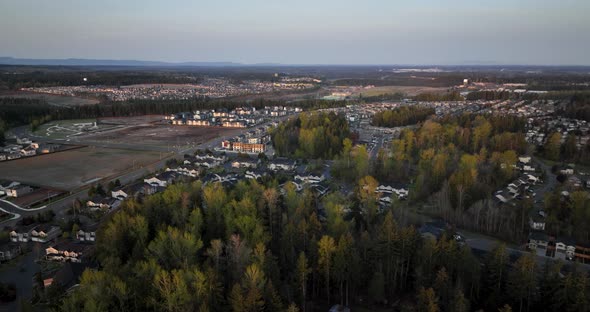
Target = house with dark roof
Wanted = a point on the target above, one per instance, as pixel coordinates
(538, 242)
(282, 164)
(87, 234)
(254, 174)
(10, 251)
(565, 248)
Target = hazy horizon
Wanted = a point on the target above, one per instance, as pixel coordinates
(424, 32)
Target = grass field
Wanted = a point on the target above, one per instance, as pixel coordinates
(74, 168)
(55, 100)
(63, 129)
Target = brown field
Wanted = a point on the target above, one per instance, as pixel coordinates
(74, 168)
(407, 90)
(136, 120)
(163, 135)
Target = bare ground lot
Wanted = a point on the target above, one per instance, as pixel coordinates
(408, 91)
(72, 169)
(136, 120)
(163, 135)
(56, 100)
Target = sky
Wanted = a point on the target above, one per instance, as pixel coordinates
(443, 32)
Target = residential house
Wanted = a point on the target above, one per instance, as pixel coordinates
(282, 164)
(66, 252)
(220, 159)
(18, 190)
(254, 175)
(532, 179)
(565, 248)
(21, 234)
(310, 178)
(10, 251)
(538, 242)
(185, 170)
(86, 234)
(162, 179)
(401, 193)
(44, 233)
(28, 151)
(567, 171)
(207, 162)
(244, 163)
(98, 202)
(119, 194)
(537, 222)
(5, 186)
(144, 188)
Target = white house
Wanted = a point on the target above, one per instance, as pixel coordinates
(565, 249)
(252, 175)
(311, 179)
(119, 194)
(154, 181)
(537, 223)
(86, 235)
(568, 171)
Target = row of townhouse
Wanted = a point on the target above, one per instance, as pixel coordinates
(563, 248)
(244, 147)
(387, 192)
(25, 148)
(41, 233)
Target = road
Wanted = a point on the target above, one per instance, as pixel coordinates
(549, 183)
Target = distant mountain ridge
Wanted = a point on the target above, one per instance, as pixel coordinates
(95, 62)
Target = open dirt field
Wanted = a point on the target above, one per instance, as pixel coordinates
(163, 135)
(408, 91)
(136, 120)
(71, 169)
